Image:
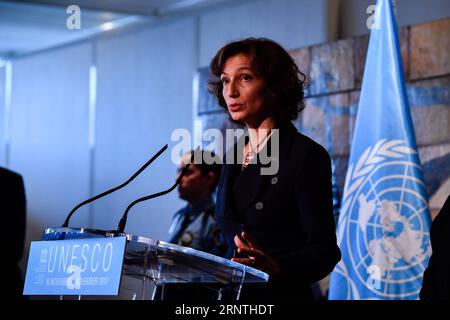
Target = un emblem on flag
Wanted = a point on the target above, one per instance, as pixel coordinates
(386, 228)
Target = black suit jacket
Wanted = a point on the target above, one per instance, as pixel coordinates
(289, 214)
(436, 279)
(12, 200)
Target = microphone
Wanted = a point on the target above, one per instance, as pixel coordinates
(66, 222)
(123, 219)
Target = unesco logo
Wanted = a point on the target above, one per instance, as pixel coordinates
(386, 215)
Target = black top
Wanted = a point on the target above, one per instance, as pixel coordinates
(436, 279)
(13, 206)
(289, 214)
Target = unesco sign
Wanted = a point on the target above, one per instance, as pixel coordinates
(75, 267)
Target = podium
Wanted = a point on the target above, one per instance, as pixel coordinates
(162, 263)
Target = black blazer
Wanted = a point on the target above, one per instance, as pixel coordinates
(12, 199)
(289, 214)
(436, 279)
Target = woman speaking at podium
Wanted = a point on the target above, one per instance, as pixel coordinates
(281, 223)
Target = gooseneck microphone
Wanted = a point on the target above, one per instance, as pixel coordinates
(66, 222)
(123, 219)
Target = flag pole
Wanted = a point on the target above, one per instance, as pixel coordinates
(384, 253)
(394, 4)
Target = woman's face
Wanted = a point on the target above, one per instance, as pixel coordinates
(242, 90)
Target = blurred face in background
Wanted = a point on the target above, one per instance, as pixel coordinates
(243, 90)
(194, 185)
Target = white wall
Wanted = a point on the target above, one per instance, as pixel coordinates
(49, 134)
(2, 115)
(144, 93)
(292, 23)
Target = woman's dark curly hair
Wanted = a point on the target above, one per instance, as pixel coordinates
(284, 91)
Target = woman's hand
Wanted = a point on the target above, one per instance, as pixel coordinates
(255, 256)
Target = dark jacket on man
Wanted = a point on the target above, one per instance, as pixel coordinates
(12, 199)
(436, 279)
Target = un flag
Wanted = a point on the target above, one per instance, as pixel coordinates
(383, 228)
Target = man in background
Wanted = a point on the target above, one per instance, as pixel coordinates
(194, 225)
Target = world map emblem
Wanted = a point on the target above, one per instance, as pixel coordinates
(384, 224)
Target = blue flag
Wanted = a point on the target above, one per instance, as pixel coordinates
(383, 228)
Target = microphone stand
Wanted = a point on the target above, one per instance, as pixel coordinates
(66, 222)
(123, 219)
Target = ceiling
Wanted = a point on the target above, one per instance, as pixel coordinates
(35, 25)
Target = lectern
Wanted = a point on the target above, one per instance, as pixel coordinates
(162, 263)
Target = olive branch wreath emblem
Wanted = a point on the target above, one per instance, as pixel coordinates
(373, 155)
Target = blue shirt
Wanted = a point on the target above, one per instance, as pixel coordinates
(196, 227)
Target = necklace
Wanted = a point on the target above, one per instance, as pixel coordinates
(253, 151)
